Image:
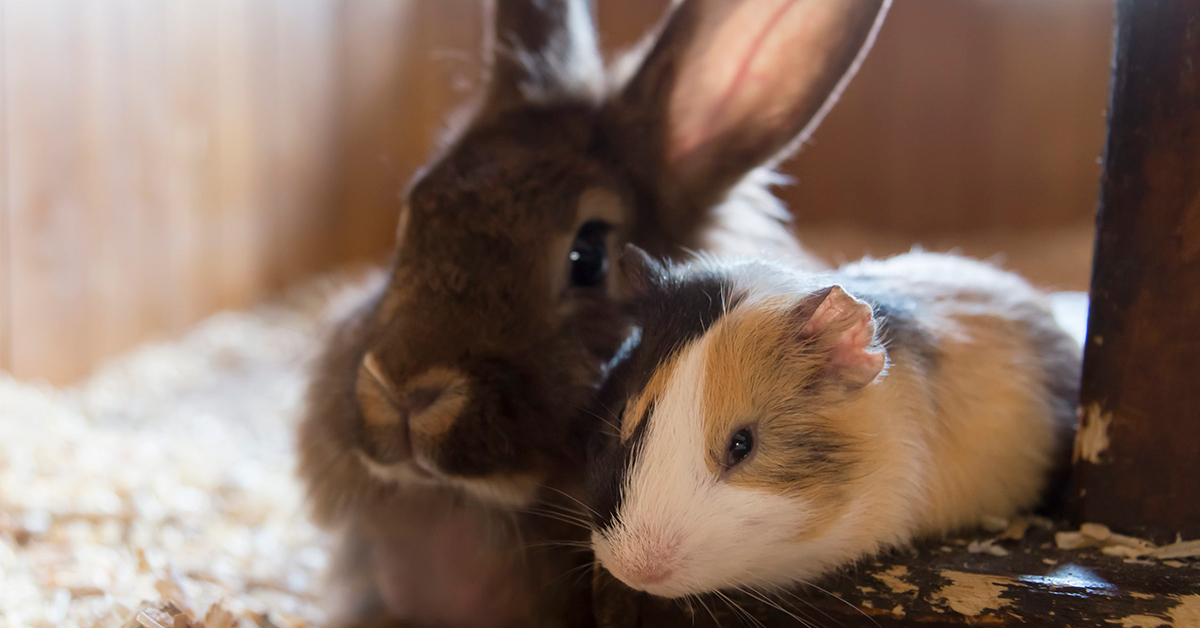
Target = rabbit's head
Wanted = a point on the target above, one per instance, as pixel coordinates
(469, 367)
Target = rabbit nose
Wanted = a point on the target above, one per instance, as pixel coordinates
(432, 403)
(420, 400)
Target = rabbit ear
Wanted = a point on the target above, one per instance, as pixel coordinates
(730, 85)
(540, 51)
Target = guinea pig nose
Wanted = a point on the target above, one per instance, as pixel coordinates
(652, 573)
(641, 560)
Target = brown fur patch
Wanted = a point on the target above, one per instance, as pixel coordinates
(760, 373)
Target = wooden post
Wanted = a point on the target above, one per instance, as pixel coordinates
(1137, 456)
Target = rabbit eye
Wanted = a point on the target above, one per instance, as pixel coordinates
(589, 255)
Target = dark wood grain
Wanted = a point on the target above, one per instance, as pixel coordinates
(1138, 466)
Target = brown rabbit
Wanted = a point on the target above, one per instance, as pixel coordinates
(443, 440)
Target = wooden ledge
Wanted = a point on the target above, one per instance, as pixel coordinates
(960, 582)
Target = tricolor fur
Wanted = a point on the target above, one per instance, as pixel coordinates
(852, 454)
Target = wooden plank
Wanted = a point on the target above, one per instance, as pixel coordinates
(147, 66)
(49, 265)
(108, 163)
(944, 584)
(5, 233)
(966, 116)
(247, 98)
(191, 169)
(383, 132)
(406, 68)
(1138, 450)
(304, 150)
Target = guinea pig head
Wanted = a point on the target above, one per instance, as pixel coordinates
(500, 313)
(738, 440)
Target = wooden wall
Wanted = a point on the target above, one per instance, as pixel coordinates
(969, 114)
(163, 160)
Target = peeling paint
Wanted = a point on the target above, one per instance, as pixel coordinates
(971, 594)
(1187, 613)
(898, 612)
(1139, 621)
(894, 579)
(1092, 439)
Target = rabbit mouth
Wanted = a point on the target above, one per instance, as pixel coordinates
(406, 472)
(504, 490)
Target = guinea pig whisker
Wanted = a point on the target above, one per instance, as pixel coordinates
(701, 602)
(792, 594)
(563, 544)
(568, 515)
(615, 428)
(811, 606)
(574, 571)
(586, 509)
(560, 517)
(777, 606)
(563, 509)
(840, 599)
(573, 551)
(739, 610)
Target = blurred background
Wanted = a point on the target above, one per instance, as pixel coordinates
(160, 161)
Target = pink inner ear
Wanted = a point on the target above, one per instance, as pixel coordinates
(852, 355)
(750, 63)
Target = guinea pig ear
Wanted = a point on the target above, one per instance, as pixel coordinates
(640, 273)
(731, 85)
(539, 51)
(844, 327)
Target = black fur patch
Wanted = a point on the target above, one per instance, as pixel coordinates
(677, 305)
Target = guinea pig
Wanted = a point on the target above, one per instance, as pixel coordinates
(775, 424)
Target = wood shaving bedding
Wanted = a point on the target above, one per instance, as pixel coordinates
(161, 491)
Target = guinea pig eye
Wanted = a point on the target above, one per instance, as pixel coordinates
(740, 446)
(589, 254)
